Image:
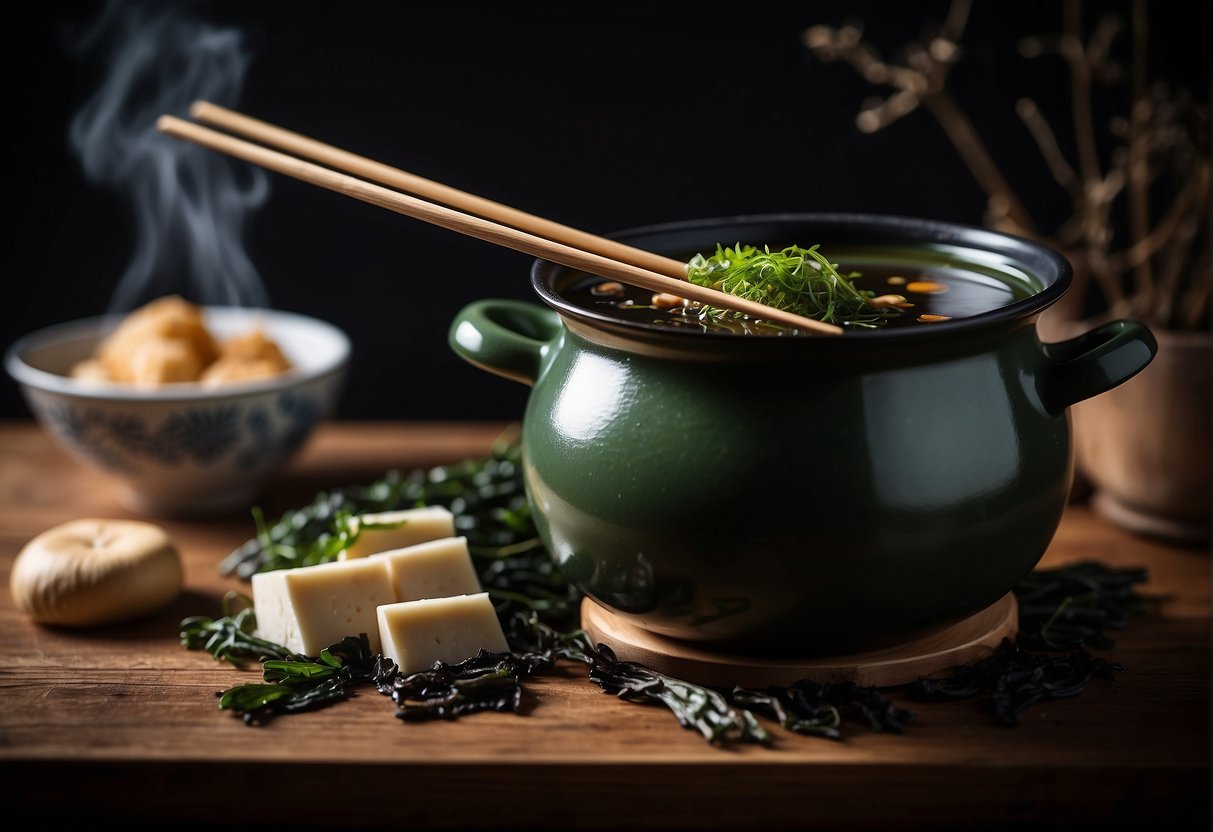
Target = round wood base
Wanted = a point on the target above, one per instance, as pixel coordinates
(967, 641)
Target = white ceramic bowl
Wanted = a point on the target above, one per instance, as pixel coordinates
(185, 449)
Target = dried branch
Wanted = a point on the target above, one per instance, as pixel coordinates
(1195, 305)
(1009, 213)
(922, 80)
(1065, 175)
(1076, 55)
(1171, 274)
(1155, 142)
(1139, 169)
(1192, 239)
(1163, 233)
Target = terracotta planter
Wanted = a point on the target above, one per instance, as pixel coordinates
(1144, 446)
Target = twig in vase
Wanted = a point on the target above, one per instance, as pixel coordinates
(1157, 267)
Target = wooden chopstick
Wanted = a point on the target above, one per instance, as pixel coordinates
(477, 227)
(334, 157)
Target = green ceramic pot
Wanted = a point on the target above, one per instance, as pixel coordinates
(801, 494)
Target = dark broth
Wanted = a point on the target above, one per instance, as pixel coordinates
(935, 290)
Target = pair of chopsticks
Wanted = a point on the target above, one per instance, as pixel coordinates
(396, 190)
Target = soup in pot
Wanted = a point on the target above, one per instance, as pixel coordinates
(904, 290)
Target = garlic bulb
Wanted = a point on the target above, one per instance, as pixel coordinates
(96, 571)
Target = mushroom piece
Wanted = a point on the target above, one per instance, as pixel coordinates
(96, 571)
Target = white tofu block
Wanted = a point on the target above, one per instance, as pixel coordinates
(308, 608)
(406, 527)
(418, 633)
(434, 569)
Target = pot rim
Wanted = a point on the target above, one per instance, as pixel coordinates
(1036, 258)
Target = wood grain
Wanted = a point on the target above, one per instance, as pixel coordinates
(120, 723)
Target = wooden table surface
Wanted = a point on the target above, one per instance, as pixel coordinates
(121, 723)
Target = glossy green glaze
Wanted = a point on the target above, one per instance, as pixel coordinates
(800, 494)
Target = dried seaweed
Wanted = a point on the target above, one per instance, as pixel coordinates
(696, 707)
(1016, 679)
(1072, 606)
(299, 683)
(485, 682)
(1063, 609)
(819, 709)
(230, 637)
(488, 498)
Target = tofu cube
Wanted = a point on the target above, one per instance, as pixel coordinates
(406, 527)
(310, 607)
(418, 633)
(434, 569)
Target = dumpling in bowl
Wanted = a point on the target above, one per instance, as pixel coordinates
(249, 356)
(167, 341)
(163, 341)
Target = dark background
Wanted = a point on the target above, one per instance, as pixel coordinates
(600, 115)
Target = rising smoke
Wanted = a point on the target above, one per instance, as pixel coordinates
(190, 204)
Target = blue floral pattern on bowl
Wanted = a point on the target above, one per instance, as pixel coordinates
(185, 450)
(205, 435)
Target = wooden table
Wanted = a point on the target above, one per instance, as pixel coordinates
(120, 723)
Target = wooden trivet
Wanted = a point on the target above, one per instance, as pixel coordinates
(967, 641)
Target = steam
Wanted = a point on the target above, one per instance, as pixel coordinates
(190, 204)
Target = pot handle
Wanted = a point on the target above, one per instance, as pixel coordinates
(509, 338)
(1095, 362)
